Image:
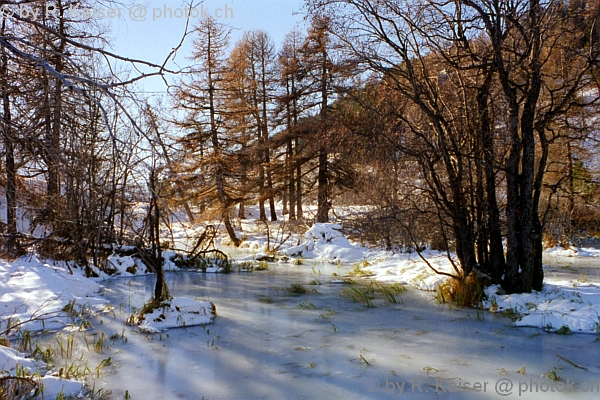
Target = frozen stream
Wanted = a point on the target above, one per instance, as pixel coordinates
(266, 343)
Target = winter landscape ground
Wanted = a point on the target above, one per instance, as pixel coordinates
(334, 275)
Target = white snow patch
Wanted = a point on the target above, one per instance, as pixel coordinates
(573, 252)
(33, 287)
(410, 269)
(557, 306)
(178, 313)
(122, 264)
(9, 358)
(325, 242)
(53, 387)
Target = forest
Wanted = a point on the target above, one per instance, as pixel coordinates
(465, 126)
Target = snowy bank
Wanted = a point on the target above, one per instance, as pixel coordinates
(51, 386)
(31, 288)
(564, 307)
(573, 252)
(33, 295)
(410, 269)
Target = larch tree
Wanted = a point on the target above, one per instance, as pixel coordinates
(201, 100)
(290, 104)
(239, 122)
(317, 66)
(256, 52)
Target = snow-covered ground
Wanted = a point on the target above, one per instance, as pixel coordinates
(37, 291)
(37, 295)
(33, 294)
(178, 312)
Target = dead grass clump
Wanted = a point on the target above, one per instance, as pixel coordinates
(16, 387)
(465, 292)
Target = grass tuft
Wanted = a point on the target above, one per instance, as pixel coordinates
(466, 292)
(361, 295)
(262, 266)
(296, 288)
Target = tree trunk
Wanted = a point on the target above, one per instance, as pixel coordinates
(284, 201)
(511, 282)
(299, 212)
(11, 246)
(496, 249)
(291, 182)
(571, 192)
(230, 231)
(53, 188)
(241, 206)
(161, 291)
(270, 187)
(323, 204)
(538, 271)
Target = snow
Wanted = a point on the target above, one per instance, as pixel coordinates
(569, 303)
(178, 313)
(572, 304)
(325, 242)
(410, 269)
(53, 387)
(561, 303)
(122, 264)
(9, 358)
(30, 287)
(573, 252)
(557, 305)
(35, 292)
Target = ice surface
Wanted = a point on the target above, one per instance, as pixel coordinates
(269, 344)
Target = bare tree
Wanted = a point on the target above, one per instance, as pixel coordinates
(67, 126)
(493, 61)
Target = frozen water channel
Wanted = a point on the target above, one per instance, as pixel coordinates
(267, 343)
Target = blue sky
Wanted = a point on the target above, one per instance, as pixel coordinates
(161, 24)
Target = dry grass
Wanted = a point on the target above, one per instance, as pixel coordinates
(466, 292)
(13, 387)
